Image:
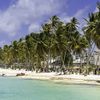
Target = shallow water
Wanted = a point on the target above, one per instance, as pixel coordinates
(19, 89)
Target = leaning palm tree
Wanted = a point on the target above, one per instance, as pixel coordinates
(92, 31)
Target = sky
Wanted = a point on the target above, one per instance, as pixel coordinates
(21, 17)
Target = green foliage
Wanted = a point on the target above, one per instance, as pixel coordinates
(56, 39)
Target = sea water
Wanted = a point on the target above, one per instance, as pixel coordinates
(20, 89)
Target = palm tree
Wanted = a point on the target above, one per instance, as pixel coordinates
(56, 39)
(61, 44)
(72, 35)
(40, 48)
(30, 52)
(1, 55)
(92, 31)
(53, 31)
(22, 52)
(7, 55)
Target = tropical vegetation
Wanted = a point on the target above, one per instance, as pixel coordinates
(55, 46)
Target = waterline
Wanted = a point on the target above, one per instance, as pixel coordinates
(19, 89)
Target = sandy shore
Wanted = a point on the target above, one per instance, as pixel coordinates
(65, 79)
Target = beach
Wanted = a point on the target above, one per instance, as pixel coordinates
(54, 77)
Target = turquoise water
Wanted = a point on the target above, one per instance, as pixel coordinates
(18, 89)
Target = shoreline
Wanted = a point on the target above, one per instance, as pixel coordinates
(63, 80)
(54, 77)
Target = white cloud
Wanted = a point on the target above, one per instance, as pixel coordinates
(65, 18)
(31, 13)
(34, 28)
(80, 14)
(96, 9)
(26, 12)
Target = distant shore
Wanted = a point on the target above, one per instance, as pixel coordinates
(54, 77)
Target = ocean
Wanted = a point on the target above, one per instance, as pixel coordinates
(21, 89)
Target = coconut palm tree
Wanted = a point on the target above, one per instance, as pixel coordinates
(1, 55)
(22, 52)
(40, 48)
(30, 52)
(7, 55)
(92, 32)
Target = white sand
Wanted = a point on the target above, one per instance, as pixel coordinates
(67, 79)
(10, 72)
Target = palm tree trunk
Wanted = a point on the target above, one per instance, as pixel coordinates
(91, 50)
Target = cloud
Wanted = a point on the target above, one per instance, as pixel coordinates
(34, 28)
(27, 12)
(96, 9)
(80, 14)
(32, 13)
